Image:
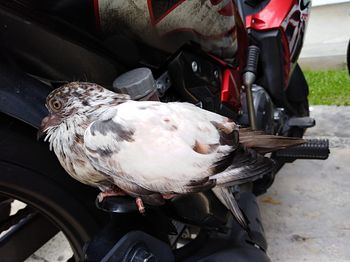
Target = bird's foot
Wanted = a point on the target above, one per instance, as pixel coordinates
(109, 193)
(140, 205)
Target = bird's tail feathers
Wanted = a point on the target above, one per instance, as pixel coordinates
(244, 165)
(227, 198)
(263, 143)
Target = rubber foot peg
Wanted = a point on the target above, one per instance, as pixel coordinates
(312, 149)
(302, 122)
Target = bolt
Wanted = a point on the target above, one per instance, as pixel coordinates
(186, 234)
(276, 116)
(216, 74)
(194, 66)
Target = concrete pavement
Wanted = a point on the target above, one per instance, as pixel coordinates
(333, 123)
(306, 211)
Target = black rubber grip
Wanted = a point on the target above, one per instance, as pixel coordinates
(312, 149)
(252, 59)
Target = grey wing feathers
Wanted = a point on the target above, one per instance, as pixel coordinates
(227, 198)
(263, 143)
(246, 165)
(245, 162)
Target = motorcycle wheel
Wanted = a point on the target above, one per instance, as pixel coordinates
(297, 93)
(5, 208)
(32, 175)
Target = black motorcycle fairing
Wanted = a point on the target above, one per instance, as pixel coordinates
(52, 49)
(77, 12)
(298, 89)
(139, 246)
(272, 65)
(202, 209)
(22, 97)
(250, 7)
(117, 241)
(73, 21)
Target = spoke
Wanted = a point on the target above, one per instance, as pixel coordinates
(23, 238)
(4, 202)
(5, 208)
(16, 218)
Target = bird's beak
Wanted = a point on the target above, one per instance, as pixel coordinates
(50, 120)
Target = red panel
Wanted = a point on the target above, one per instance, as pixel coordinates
(225, 89)
(271, 16)
(97, 15)
(230, 89)
(150, 10)
(218, 60)
(286, 58)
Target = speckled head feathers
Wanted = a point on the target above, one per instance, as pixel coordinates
(81, 97)
(77, 99)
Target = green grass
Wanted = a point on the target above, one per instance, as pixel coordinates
(329, 87)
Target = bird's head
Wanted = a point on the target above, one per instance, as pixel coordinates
(77, 98)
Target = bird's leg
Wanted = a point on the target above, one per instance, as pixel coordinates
(115, 191)
(140, 205)
(168, 196)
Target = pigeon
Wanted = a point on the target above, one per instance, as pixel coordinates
(153, 151)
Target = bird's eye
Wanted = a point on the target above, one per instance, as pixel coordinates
(55, 104)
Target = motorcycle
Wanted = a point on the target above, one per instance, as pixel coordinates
(236, 58)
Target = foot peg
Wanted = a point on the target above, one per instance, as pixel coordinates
(117, 204)
(312, 149)
(302, 122)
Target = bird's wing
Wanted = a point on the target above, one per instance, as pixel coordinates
(245, 165)
(228, 199)
(161, 147)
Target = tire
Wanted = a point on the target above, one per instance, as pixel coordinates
(5, 208)
(297, 93)
(32, 174)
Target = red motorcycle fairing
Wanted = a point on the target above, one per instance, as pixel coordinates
(168, 25)
(288, 16)
(230, 89)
